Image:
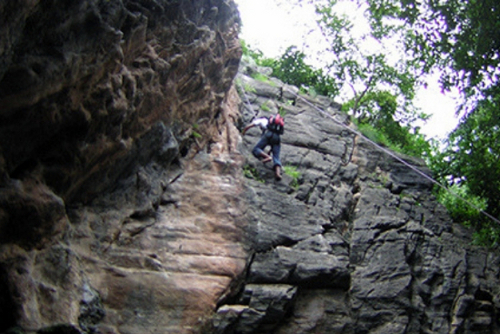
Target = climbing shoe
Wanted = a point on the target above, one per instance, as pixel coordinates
(277, 172)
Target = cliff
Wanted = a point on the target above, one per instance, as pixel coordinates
(108, 111)
(354, 241)
(130, 203)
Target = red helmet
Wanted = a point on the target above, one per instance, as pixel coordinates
(278, 120)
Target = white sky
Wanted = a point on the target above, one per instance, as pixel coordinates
(272, 29)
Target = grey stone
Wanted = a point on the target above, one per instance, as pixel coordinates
(365, 242)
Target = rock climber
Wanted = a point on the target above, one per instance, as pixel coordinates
(272, 129)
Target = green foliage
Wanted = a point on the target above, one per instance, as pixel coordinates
(459, 36)
(464, 207)
(413, 144)
(380, 126)
(245, 86)
(282, 111)
(370, 132)
(364, 71)
(252, 173)
(261, 77)
(256, 55)
(292, 69)
(488, 235)
(294, 173)
(249, 88)
(472, 156)
(382, 91)
(194, 131)
(418, 145)
(457, 202)
(461, 39)
(265, 107)
(471, 160)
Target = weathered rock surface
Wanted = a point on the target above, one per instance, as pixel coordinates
(124, 207)
(358, 234)
(120, 185)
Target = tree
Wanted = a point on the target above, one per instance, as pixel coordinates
(292, 69)
(360, 64)
(473, 154)
(461, 39)
(366, 70)
(380, 88)
(378, 91)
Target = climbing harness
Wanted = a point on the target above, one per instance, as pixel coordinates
(359, 134)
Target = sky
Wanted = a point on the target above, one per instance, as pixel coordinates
(271, 29)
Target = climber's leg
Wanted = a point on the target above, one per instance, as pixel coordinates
(258, 150)
(276, 161)
(276, 155)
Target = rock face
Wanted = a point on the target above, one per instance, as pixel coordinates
(354, 242)
(119, 182)
(129, 202)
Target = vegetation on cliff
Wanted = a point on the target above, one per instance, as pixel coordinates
(457, 39)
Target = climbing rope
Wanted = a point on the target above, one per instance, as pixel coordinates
(247, 101)
(415, 169)
(392, 154)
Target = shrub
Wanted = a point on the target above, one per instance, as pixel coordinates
(294, 173)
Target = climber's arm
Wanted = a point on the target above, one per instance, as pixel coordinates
(251, 125)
